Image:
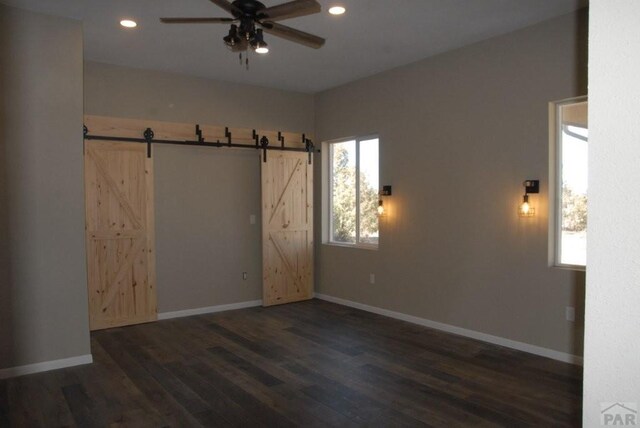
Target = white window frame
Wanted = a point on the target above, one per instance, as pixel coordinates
(555, 180)
(327, 193)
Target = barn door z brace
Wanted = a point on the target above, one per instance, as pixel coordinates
(261, 142)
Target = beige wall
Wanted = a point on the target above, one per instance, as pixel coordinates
(204, 196)
(43, 298)
(612, 345)
(459, 133)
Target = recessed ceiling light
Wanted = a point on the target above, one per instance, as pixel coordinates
(337, 10)
(128, 23)
(263, 50)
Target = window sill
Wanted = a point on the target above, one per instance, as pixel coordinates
(352, 246)
(577, 268)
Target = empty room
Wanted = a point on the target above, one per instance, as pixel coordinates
(319, 213)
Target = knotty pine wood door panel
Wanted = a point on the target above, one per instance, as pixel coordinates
(287, 228)
(119, 234)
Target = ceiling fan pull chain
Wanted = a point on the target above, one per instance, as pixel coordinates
(240, 58)
(247, 62)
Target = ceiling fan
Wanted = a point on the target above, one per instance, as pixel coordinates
(251, 18)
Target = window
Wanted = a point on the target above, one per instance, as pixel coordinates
(353, 192)
(571, 136)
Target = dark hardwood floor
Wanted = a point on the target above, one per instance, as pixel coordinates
(305, 364)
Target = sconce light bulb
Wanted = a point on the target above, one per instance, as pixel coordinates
(380, 208)
(526, 210)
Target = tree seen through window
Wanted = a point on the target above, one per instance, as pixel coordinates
(354, 192)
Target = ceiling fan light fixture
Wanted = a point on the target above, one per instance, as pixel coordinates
(128, 23)
(232, 38)
(258, 44)
(337, 10)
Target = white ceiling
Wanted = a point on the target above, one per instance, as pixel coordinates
(373, 36)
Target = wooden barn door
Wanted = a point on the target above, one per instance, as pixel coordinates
(120, 238)
(287, 228)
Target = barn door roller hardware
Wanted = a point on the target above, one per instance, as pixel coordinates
(261, 142)
(148, 138)
(309, 147)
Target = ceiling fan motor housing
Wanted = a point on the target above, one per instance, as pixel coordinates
(249, 8)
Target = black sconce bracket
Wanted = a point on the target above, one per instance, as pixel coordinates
(386, 191)
(532, 186)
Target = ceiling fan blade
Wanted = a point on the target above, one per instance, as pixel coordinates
(195, 20)
(293, 9)
(293, 35)
(226, 5)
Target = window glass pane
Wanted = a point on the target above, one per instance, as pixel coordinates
(369, 185)
(343, 192)
(573, 210)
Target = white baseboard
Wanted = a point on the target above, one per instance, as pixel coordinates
(496, 340)
(209, 309)
(88, 359)
(45, 366)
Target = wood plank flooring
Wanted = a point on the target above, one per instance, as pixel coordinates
(304, 364)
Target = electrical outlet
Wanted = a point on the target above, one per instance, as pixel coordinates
(372, 278)
(244, 276)
(570, 313)
(252, 219)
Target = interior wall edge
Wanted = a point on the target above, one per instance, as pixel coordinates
(612, 344)
(43, 293)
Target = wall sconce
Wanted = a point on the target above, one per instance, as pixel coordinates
(386, 191)
(525, 209)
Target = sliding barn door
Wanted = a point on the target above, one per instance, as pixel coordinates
(287, 228)
(120, 243)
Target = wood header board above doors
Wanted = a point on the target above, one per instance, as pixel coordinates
(191, 134)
